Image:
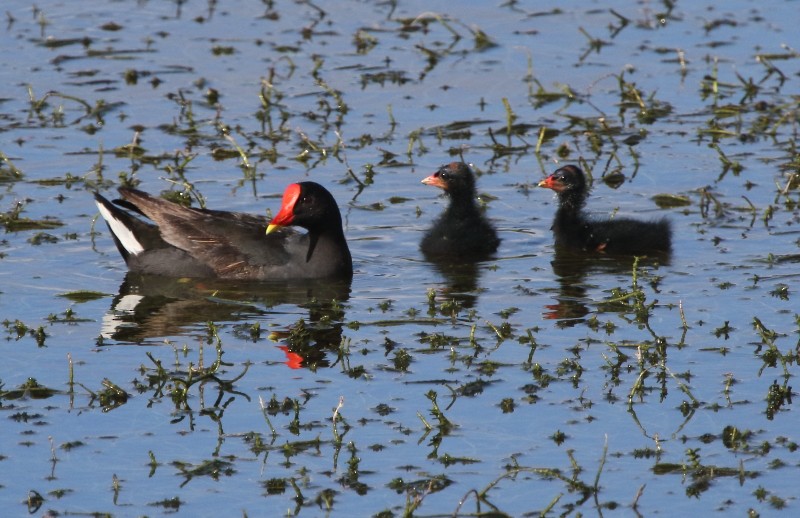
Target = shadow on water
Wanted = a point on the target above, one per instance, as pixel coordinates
(461, 278)
(150, 307)
(574, 270)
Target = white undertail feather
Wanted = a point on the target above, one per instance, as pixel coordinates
(123, 233)
(114, 319)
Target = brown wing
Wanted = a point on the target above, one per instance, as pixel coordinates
(232, 244)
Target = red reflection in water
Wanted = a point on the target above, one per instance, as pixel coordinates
(293, 360)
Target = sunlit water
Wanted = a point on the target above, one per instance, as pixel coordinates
(405, 97)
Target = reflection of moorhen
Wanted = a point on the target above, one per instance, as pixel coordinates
(571, 301)
(573, 270)
(150, 308)
(618, 236)
(188, 242)
(462, 232)
(462, 281)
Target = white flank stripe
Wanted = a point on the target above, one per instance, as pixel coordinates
(123, 233)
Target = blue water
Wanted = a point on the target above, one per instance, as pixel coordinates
(720, 271)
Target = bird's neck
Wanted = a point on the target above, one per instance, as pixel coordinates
(569, 217)
(329, 244)
(571, 203)
(463, 206)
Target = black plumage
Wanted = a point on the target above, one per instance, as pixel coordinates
(462, 231)
(190, 242)
(618, 236)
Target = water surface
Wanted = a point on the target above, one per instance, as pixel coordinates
(524, 384)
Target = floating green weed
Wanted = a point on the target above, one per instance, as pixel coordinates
(417, 490)
(771, 355)
(68, 316)
(83, 295)
(17, 330)
(9, 173)
(702, 476)
(595, 44)
(178, 384)
(172, 504)
(633, 300)
(31, 388)
(214, 469)
(34, 501)
(12, 221)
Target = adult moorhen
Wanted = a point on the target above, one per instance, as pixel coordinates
(618, 236)
(462, 231)
(189, 242)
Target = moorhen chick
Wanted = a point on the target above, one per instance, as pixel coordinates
(462, 231)
(618, 236)
(189, 242)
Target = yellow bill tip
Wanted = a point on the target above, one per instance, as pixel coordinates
(272, 228)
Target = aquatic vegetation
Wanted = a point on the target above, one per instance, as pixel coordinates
(588, 386)
(12, 221)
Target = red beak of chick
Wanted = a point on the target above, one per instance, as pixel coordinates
(551, 183)
(435, 180)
